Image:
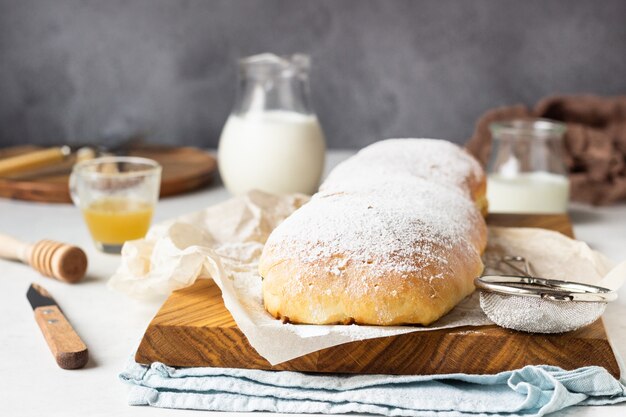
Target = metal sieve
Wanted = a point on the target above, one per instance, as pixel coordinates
(539, 305)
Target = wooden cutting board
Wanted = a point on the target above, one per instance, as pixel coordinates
(184, 169)
(193, 328)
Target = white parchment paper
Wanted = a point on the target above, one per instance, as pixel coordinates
(225, 242)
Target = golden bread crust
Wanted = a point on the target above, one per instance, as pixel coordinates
(395, 249)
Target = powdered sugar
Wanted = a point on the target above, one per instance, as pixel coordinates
(389, 219)
(435, 160)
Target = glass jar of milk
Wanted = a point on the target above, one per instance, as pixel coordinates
(272, 141)
(527, 172)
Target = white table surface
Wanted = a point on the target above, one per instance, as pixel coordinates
(111, 324)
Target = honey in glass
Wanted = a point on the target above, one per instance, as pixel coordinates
(114, 220)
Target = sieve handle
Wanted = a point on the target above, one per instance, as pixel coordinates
(550, 289)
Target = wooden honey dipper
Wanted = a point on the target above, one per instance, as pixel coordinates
(53, 259)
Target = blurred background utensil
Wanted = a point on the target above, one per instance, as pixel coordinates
(60, 160)
(53, 259)
(52, 167)
(33, 160)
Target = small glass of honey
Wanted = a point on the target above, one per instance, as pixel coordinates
(117, 196)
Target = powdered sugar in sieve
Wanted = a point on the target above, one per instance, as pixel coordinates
(540, 305)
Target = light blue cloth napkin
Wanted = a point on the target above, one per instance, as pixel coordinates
(531, 391)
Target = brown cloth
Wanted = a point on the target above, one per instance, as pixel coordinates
(595, 141)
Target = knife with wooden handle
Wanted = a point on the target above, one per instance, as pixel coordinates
(67, 347)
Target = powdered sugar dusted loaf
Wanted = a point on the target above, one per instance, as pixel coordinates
(435, 160)
(394, 236)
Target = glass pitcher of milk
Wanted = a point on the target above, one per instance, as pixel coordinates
(527, 172)
(272, 141)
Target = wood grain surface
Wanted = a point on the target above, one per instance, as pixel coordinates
(184, 169)
(193, 328)
(67, 347)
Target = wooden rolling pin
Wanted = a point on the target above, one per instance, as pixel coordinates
(32, 160)
(57, 260)
(52, 168)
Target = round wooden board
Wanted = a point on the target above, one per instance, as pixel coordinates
(184, 169)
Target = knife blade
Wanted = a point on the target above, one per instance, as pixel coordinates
(67, 347)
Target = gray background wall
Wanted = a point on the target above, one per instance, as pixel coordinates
(75, 71)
